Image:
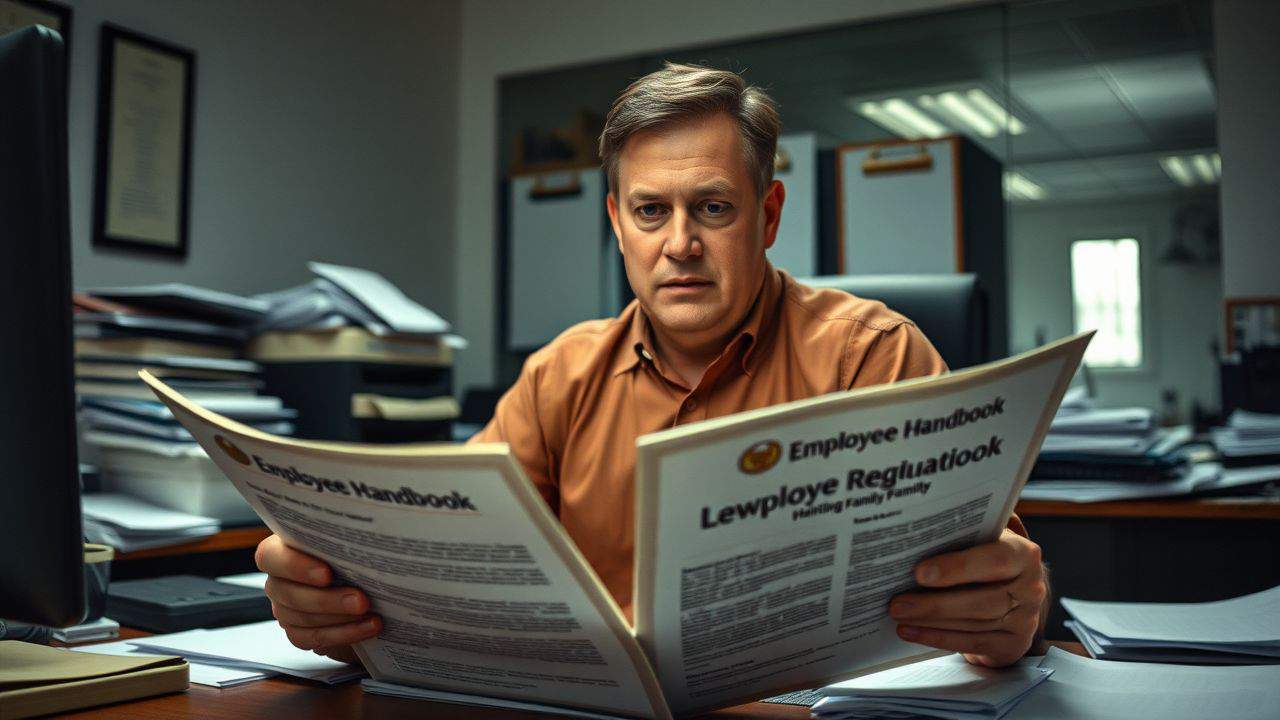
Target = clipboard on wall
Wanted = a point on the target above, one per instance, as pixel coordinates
(558, 249)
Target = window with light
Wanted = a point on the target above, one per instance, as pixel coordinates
(1107, 297)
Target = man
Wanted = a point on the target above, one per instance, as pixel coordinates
(714, 330)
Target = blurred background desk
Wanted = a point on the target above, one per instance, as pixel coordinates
(1180, 550)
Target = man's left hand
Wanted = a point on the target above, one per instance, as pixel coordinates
(985, 602)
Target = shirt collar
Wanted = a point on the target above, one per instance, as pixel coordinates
(761, 320)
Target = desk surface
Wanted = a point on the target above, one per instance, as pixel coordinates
(1261, 508)
(293, 699)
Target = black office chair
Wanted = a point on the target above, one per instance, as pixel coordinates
(949, 309)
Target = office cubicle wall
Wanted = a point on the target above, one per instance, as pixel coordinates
(559, 256)
(929, 206)
(796, 247)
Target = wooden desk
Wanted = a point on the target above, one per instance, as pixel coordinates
(293, 699)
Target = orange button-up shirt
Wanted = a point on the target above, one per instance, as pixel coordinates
(573, 416)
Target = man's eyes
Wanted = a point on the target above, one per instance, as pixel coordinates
(650, 211)
(713, 209)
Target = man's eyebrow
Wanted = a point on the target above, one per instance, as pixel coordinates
(715, 187)
(636, 197)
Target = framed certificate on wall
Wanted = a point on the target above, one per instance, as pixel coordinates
(142, 172)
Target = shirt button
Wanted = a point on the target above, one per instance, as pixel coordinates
(691, 404)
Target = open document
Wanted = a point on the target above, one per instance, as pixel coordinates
(769, 542)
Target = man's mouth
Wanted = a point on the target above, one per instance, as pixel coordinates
(690, 283)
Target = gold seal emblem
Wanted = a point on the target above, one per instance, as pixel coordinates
(760, 457)
(231, 450)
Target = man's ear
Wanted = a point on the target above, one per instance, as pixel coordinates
(611, 205)
(772, 205)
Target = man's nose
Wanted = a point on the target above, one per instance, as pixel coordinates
(683, 241)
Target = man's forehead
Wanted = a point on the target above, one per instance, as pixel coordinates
(686, 156)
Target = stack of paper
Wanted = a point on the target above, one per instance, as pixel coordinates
(127, 524)
(142, 451)
(100, 629)
(259, 646)
(343, 296)
(1101, 690)
(201, 673)
(1243, 630)
(945, 687)
(1094, 454)
(1250, 446)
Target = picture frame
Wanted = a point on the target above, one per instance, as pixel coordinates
(15, 14)
(142, 169)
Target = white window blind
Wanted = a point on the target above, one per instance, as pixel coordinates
(1107, 297)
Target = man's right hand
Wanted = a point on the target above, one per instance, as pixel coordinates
(314, 615)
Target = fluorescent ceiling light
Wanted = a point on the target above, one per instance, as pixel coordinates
(1204, 168)
(1177, 170)
(876, 114)
(1217, 165)
(996, 113)
(1020, 187)
(906, 113)
(954, 106)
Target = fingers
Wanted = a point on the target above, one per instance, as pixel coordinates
(1004, 559)
(333, 636)
(993, 649)
(335, 601)
(981, 603)
(276, 559)
(289, 616)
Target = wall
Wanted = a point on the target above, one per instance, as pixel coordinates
(1180, 303)
(1248, 75)
(321, 131)
(501, 37)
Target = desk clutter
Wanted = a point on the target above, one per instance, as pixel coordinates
(38, 680)
(1095, 454)
(344, 357)
(235, 655)
(1239, 631)
(1059, 685)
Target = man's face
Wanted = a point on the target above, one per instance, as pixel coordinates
(691, 226)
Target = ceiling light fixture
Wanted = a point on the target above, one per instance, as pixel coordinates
(995, 112)
(876, 114)
(1020, 187)
(1177, 170)
(1204, 168)
(954, 106)
(906, 113)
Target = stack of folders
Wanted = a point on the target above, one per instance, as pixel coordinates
(128, 524)
(349, 313)
(1240, 631)
(235, 655)
(144, 452)
(1094, 454)
(192, 337)
(1250, 446)
(944, 687)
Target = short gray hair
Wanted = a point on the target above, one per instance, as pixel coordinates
(683, 92)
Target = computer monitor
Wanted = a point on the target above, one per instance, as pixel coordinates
(41, 540)
(949, 309)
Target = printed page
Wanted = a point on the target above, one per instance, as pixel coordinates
(770, 543)
(479, 589)
(1251, 618)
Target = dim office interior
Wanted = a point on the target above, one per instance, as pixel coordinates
(357, 222)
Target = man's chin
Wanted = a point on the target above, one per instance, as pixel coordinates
(684, 320)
